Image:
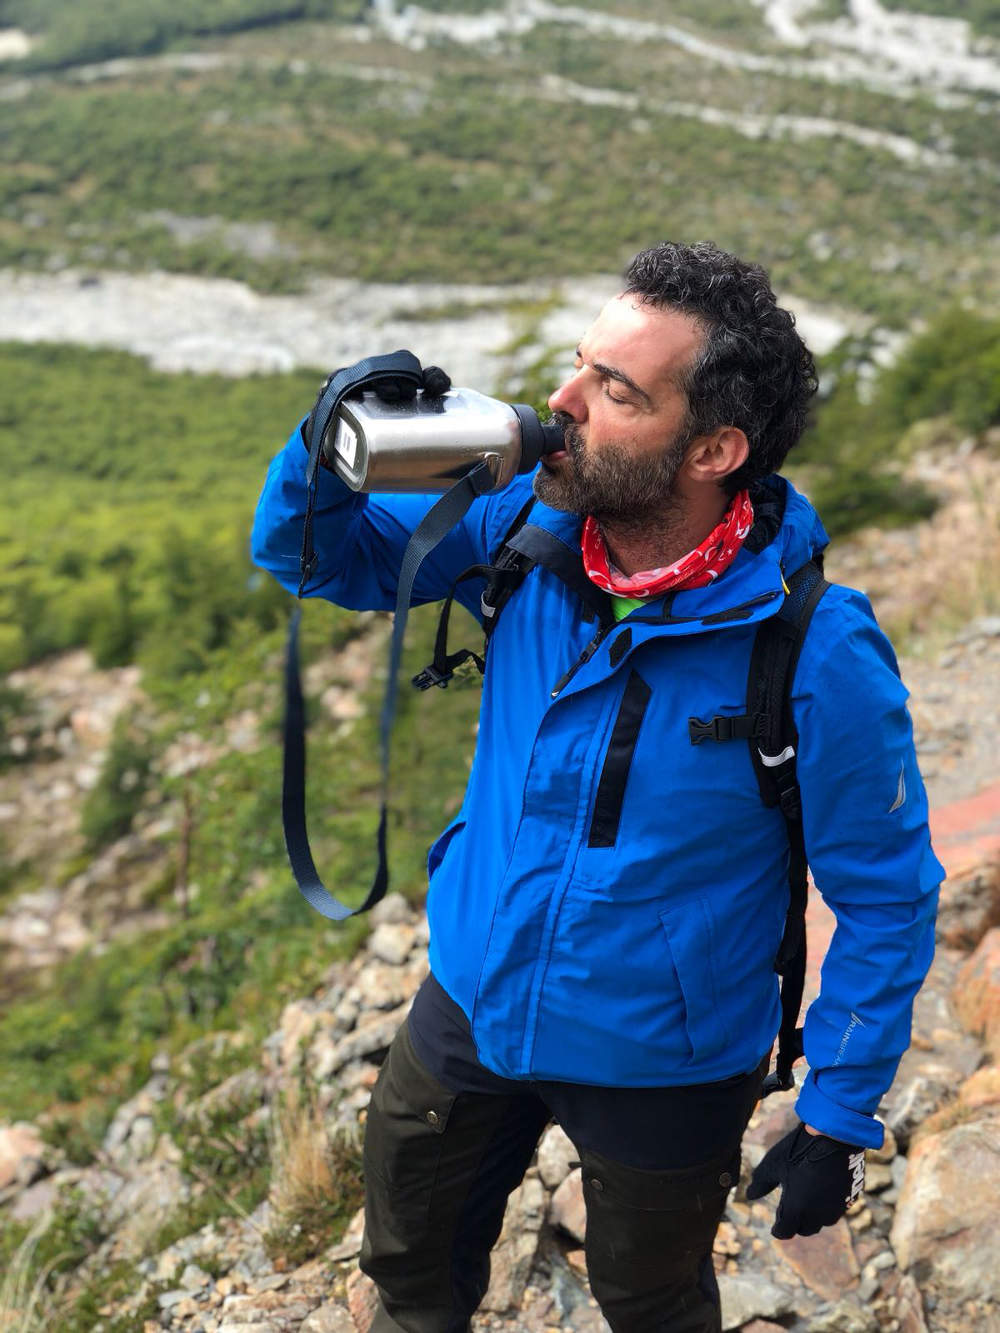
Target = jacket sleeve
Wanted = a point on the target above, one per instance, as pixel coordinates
(868, 843)
(359, 539)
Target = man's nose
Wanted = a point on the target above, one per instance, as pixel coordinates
(567, 398)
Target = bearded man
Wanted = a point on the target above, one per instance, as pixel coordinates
(606, 909)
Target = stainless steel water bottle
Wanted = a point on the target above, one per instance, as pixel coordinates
(427, 444)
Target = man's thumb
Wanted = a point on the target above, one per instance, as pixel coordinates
(766, 1175)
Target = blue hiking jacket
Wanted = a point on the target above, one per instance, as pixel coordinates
(607, 905)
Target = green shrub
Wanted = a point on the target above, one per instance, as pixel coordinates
(118, 795)
(73, 32)
(16, 707)
(951, 369)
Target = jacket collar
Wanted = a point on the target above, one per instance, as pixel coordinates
(786, 533)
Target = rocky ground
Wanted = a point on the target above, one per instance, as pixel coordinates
(917, 1254)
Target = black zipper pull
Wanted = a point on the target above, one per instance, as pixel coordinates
(582, 660)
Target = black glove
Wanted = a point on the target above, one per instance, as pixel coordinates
(819, 1177)
(390, 388)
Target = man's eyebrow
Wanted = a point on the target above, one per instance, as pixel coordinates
(613, 373)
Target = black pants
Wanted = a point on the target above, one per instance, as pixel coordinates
(441, 1159)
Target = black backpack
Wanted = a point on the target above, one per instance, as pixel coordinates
(767, 724)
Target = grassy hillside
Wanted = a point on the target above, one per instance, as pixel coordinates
(146, 483)
(555, 152)
(71, 33)
(558, 151)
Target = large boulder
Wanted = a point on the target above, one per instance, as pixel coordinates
(945, 1228)
(969, 904)
(976, 993)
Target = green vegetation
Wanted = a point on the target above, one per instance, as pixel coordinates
(164, 470)
(143, 483)
(148, 493)
(73, 33)
(951, 369)
(850, 456)
(225, 1156)
(457, 164)
(15, 719)
(38, 1256)
(317, 1180)
(982, 15)
(129, 492)
(113, 803)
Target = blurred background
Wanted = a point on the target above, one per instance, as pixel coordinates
(205, 205)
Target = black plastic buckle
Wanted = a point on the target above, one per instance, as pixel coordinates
(719, 729)
(431, 676)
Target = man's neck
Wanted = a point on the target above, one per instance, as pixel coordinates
(657, 542)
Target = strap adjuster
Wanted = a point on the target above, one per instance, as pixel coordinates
(722, 729)
(431, 676)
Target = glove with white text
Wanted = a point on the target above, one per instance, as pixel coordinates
(819, 1177)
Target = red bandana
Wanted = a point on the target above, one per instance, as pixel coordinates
(695, 570)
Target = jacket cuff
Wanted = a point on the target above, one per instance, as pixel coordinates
(839, 1122)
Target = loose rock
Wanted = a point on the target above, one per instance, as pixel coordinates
(567, 1209)
(22, 1155)
(555, 1153)
(945, 1226)
(747, 1296)
(977, 992)
(514, 1252)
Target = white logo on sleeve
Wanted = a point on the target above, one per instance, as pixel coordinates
(900, 791)
(856, 1166)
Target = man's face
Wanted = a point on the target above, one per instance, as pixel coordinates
(623, 412)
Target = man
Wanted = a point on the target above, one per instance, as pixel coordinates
(606, 908)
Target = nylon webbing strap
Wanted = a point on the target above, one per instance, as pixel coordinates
(436, 523)
(442, 667)
(545, 548)
(400, 365)
(779, 646)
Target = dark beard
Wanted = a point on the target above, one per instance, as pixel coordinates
(616, 488)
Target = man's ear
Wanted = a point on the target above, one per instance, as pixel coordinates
(712, 457)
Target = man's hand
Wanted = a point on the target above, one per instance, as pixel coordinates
(389, 388)
(819, 1177)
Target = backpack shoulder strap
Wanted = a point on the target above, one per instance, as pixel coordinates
(769, 728)
(775, 656)
(773, 752)
(503, 577)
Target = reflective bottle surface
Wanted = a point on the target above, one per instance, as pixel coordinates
(428, 444)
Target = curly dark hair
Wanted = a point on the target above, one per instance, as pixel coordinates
(754, 371)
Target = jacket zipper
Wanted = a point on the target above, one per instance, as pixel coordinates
(601, 635)
(713, 618)
(582, 660)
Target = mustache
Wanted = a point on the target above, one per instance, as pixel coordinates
(570, 430)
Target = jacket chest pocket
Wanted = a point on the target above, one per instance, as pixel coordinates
(610, 796)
